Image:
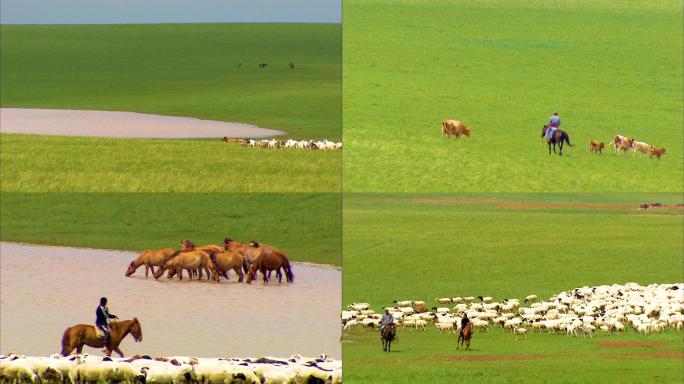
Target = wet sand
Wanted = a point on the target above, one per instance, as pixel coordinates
(44, 290)
(69, 122)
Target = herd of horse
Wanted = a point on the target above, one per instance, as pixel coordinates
(245, 259)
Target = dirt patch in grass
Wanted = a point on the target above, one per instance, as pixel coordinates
(631, 344)
(515, 204)
(466, 356)
(647, 355)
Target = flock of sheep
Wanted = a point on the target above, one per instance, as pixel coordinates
(585, 310)
(323, 145)
(82, 369)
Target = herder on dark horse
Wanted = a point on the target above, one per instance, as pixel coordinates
(554, 135)
(388, 330)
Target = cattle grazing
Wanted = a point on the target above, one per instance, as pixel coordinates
(657, 152)
(454, 127)
(596, 146)
(641, 147)
(622, 142)
(262, 65)
(291, 65)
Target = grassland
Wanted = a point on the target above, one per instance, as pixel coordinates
(306, 226)
(31, 163)
(422, 246)
(503, 68)
(496, 357)
(181, 70)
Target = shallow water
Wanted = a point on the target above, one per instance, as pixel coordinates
(44, 290)
(69, 122)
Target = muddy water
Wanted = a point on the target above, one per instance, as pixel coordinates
(44, 290)
(69, 122)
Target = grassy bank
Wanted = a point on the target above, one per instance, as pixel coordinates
(181, 70)
(306, 226)
(66, 164)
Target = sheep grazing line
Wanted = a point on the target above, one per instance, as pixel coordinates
(323, 145)
(586, 310)
(81, 369)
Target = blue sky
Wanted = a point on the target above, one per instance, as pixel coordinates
(168, 11)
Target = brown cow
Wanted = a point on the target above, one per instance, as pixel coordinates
(596, 146)
(455, 127)
(656, 151)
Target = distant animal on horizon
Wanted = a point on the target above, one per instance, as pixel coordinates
(596, 146)
(262, 65)
(455, 127)
(291, 65)
(239, 65)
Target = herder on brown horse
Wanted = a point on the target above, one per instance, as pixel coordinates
(83, 334)
(388, 330)
(466, 333)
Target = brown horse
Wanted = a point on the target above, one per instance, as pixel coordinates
(388, 335)
(190, 261)
(465, 336)
(559, 137)
(82, 334)
(271, 261)
(210, 249)
(225, 261)
(250, 251)
(150, 258)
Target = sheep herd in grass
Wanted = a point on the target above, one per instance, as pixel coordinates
(82, 369)
(323, 145)
(586, 310)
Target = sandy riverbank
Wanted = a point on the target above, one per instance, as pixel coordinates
(68, 122)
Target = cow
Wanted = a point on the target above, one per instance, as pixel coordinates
(656, 151)
(596, 146)
(641, 147)
(455, 127)
(622, 142)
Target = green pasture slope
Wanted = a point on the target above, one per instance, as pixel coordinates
(423, 246)
(306, 226)
(181, 70)
(503, 67)
(32, 163)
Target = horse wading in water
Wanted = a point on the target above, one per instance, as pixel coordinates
(83, 334)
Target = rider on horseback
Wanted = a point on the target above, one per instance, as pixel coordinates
(102, 320)
(386, 320)
(554, 124)
(464, 322)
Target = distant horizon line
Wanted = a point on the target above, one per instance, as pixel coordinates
(183, 22)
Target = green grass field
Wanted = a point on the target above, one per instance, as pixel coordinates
(503, 67)
(306, 226)
(181, 70)
(31, 163)
(423, 246)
